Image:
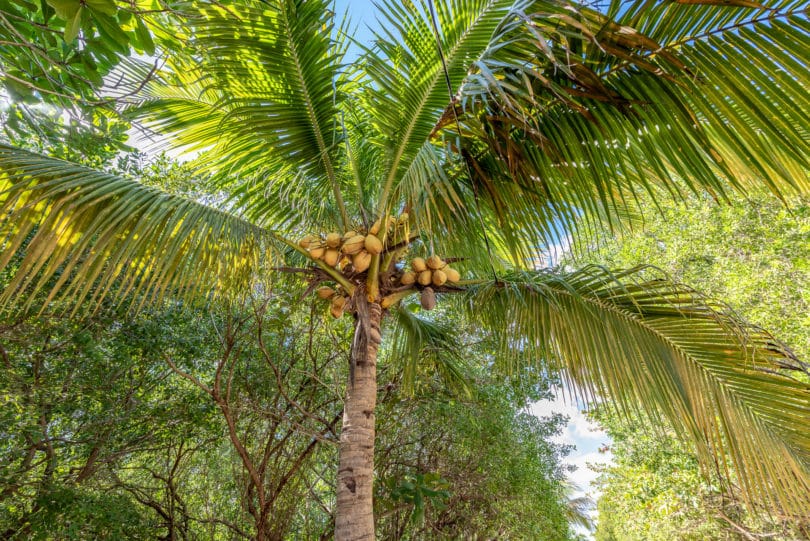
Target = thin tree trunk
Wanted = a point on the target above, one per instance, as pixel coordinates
(354, 515)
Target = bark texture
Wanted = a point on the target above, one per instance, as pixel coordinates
(354, 515)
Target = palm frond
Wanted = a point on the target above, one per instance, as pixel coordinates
(410, 89)
(422, 346)
(76, 234)
(579, 114)
(635, 337)
(259, 92)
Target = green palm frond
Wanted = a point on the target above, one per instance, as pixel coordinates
(259, 93)
(635, 337)
(410, 90)
(76, 234)
(422, 346)
(577, 114)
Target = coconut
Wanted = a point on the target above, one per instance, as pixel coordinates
(435, 262)
(331, 257)
(408, 278)
(333, 240)
(349, 234)
(418, 264)
(306, 241)
(325, 292)
(452, 274)
(428, 299)
(439, 277)
(425, 277)
(353, 245)
(373, 244)
(361, 261)
(317, 252)
(338, 306)
(375, 228)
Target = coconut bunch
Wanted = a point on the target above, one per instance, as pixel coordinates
(338, 250)
(431, 271)
(338, 300)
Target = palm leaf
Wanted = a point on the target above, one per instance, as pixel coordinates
(259, 91)
(81, 235)
(635, 337)
(577, 114)
(423, 346)
(410, 90)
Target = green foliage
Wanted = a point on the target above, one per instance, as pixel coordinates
(74, 514)
(60, 50)
(501, 474)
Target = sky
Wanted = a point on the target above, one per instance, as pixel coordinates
(585, 436)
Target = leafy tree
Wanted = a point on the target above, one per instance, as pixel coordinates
(755, 254)
(476, 131)
(481, 467)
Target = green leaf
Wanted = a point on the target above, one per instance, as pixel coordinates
(65, 9)
(73, 26)
(144, 37)
(109, 29)
(107, 7)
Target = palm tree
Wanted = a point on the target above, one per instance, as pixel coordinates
(470, 133)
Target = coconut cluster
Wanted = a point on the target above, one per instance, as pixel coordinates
(353, 247)
(431, 271)
(338, 300)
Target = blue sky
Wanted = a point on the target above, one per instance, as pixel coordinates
(361, 15)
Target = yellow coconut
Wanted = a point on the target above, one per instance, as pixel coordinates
(353, 245)
(325, 292)
(317, 252)
(331, 257)
(361, 261)
(435, 262)
(425, 277)
(408, 278)
(333, 240)
(349, 234)
(418, 264)
(306, 241)
(452, 274)
(439, 277)
(373, 244)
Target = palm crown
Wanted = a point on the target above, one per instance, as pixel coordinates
(482, 130)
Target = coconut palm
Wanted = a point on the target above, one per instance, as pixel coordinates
(438, 165)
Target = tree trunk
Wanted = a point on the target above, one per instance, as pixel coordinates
(354, 515)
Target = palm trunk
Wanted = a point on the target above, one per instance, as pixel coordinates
(354, 515)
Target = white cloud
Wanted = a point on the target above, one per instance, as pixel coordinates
(586, 436)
